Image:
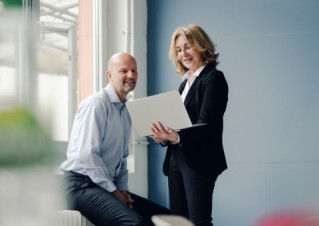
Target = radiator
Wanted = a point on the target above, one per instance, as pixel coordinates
(72, 218)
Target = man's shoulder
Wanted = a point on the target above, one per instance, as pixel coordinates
(95, 98)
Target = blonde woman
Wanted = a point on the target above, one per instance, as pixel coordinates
(195, 156)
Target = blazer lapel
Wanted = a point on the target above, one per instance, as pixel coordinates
(192, 90)
(182, 86)
(195, 85)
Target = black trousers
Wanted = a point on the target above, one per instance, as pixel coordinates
(190, 192)
(102, 208)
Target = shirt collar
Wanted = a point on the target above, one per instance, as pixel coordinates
(112, 94)
(187, 75)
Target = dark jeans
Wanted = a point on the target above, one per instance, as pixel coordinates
(102, 208)
(190, 192)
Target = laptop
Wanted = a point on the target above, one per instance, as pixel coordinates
(167, 108)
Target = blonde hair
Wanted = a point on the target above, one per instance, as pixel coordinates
(199, 39)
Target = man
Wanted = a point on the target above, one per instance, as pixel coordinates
(96, 175)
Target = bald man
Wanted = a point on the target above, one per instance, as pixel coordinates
(95, 170)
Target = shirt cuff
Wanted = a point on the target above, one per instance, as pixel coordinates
(176, 142)
(109, 186)
(163, 143)
(123, 187)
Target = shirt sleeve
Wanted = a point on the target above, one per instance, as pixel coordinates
(122, 177)
(91, 126)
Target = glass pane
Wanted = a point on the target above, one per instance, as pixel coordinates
(7, 81)
(8, 59)
(53, 95)
(56, 17)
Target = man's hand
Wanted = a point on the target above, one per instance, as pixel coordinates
(124, 197)
(128, 198)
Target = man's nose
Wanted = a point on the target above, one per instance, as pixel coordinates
(130, 74)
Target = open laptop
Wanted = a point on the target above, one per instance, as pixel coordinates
(167, 108)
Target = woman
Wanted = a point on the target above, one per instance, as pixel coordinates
(195, 156)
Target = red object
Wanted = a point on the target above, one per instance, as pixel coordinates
(290, 219)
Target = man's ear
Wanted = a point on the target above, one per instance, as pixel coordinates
(108, 74)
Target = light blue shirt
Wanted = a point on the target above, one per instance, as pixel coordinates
(99, 141)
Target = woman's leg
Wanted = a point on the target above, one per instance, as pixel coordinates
(177, 195)
(199, 192)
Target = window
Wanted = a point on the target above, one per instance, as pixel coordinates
(57, 60)
(9, 45)
(39, 61)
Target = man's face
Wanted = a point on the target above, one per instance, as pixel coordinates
(123, 75)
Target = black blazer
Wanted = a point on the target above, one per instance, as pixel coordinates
(205, 102)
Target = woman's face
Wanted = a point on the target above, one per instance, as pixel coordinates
(187, 54)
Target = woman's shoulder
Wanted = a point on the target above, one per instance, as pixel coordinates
(214, 77)
(210, 71)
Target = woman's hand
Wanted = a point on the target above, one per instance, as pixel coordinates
(161, 134)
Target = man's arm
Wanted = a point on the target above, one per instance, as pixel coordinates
(91, 127)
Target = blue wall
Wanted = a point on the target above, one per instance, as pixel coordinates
(269, 55)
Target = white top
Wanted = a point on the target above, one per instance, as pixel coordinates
(190, 80)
